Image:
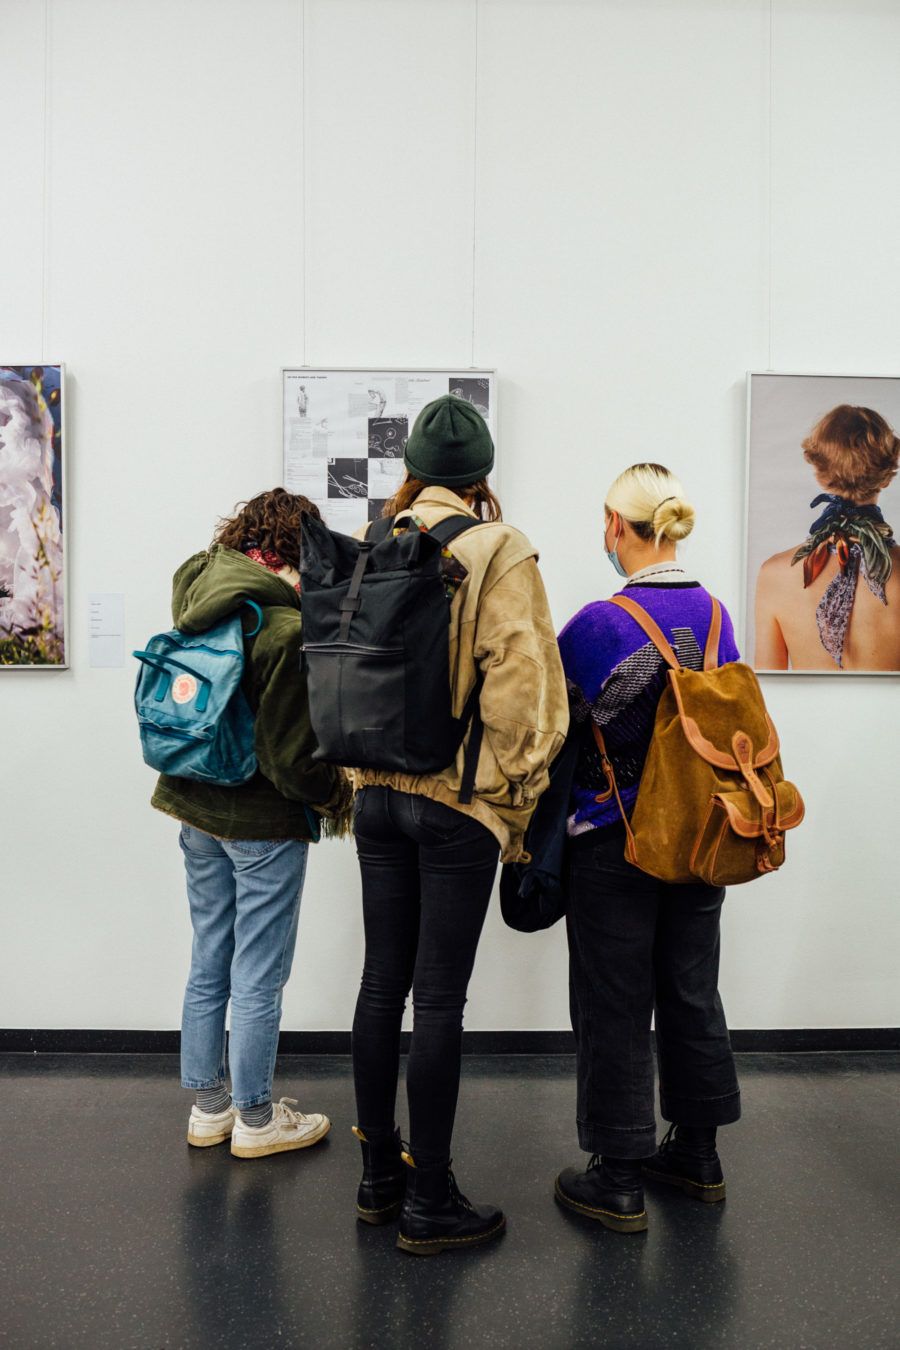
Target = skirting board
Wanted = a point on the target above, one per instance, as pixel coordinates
(767, 1041)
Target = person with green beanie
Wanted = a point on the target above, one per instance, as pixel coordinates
(428, 861)
(449, 444)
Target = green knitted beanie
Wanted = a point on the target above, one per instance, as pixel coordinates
(450, 444)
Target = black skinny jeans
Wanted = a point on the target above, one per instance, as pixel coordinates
(637, 945)
(427, 876)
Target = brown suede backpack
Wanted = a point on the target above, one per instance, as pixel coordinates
(713, 804)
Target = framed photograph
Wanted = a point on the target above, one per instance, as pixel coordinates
(33, 617)
(345, 431)
(823, 503)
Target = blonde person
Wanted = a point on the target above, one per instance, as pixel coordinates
(245, 848)
(428, 862)
(638, 946)
(811, 611)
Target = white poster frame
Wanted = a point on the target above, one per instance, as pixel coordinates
(65, 664)
(745, 570)
(437, 372)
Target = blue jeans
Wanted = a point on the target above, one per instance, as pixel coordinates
(244, 896)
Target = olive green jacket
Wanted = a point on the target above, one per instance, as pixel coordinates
(500, 626)
(272, 805)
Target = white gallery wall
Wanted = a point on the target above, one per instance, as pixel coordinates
(623, 205)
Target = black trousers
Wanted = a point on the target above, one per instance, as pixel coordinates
(427, 876)
(638, 945)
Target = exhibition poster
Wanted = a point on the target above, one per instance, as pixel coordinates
(345, 432)
(823, 509)
(32, 556)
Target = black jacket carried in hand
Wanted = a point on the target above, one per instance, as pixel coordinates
(532, 894)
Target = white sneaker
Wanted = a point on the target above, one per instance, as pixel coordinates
(210, 1127)
(286, 1130)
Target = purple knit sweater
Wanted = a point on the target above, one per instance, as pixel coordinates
(615, 677)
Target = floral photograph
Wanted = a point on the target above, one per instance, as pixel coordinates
(32, 558)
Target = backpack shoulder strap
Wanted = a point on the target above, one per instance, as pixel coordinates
(711, 655)
(380, 529)
(451, 527)
(444, 531)
(650, 627)
(257, 610)
(609, 771)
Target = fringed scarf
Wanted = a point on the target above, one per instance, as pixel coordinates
(862, 540)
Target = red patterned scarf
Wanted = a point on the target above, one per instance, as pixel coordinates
(269, 560)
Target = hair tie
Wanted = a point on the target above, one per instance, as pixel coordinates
(662, 503)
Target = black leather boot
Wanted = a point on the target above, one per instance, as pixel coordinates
(437, 1217)
(687, 1158)
(383, 1185)
(610, 1190)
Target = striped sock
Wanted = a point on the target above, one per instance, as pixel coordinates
(214, 1099)
(255, 1116)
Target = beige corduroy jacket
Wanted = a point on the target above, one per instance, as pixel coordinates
(500, 622)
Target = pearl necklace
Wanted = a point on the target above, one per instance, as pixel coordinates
(666, 571)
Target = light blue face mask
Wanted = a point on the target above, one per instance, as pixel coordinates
(615, 560)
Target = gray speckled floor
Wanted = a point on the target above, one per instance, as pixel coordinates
(113, 1233)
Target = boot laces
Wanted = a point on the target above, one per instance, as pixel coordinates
(595, 1164)
(668, 1140)
(456, 1194)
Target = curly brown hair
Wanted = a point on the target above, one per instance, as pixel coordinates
(854, 451)
(479, 495)
(270, 520)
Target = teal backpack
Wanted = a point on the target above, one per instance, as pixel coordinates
(194, 719)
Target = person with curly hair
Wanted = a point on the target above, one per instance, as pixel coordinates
(817, 616)
(245, 847)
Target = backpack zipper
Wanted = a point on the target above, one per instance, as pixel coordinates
(354, 648)
(173, 731)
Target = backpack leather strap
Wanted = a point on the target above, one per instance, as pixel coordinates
(650, 627)
(711, 655)
(666, 651)
(630, 850)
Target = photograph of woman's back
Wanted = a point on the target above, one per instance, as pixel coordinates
(827, 597)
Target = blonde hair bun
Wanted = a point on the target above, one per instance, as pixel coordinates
(652, 500)
(673, 519)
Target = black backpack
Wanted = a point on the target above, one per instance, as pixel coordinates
(376, 650)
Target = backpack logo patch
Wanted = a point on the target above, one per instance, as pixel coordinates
(184, 689)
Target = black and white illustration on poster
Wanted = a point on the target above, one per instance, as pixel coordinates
(387, 437)
(823, 512)
(348, 478)
(345, 432)
(474, 390)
